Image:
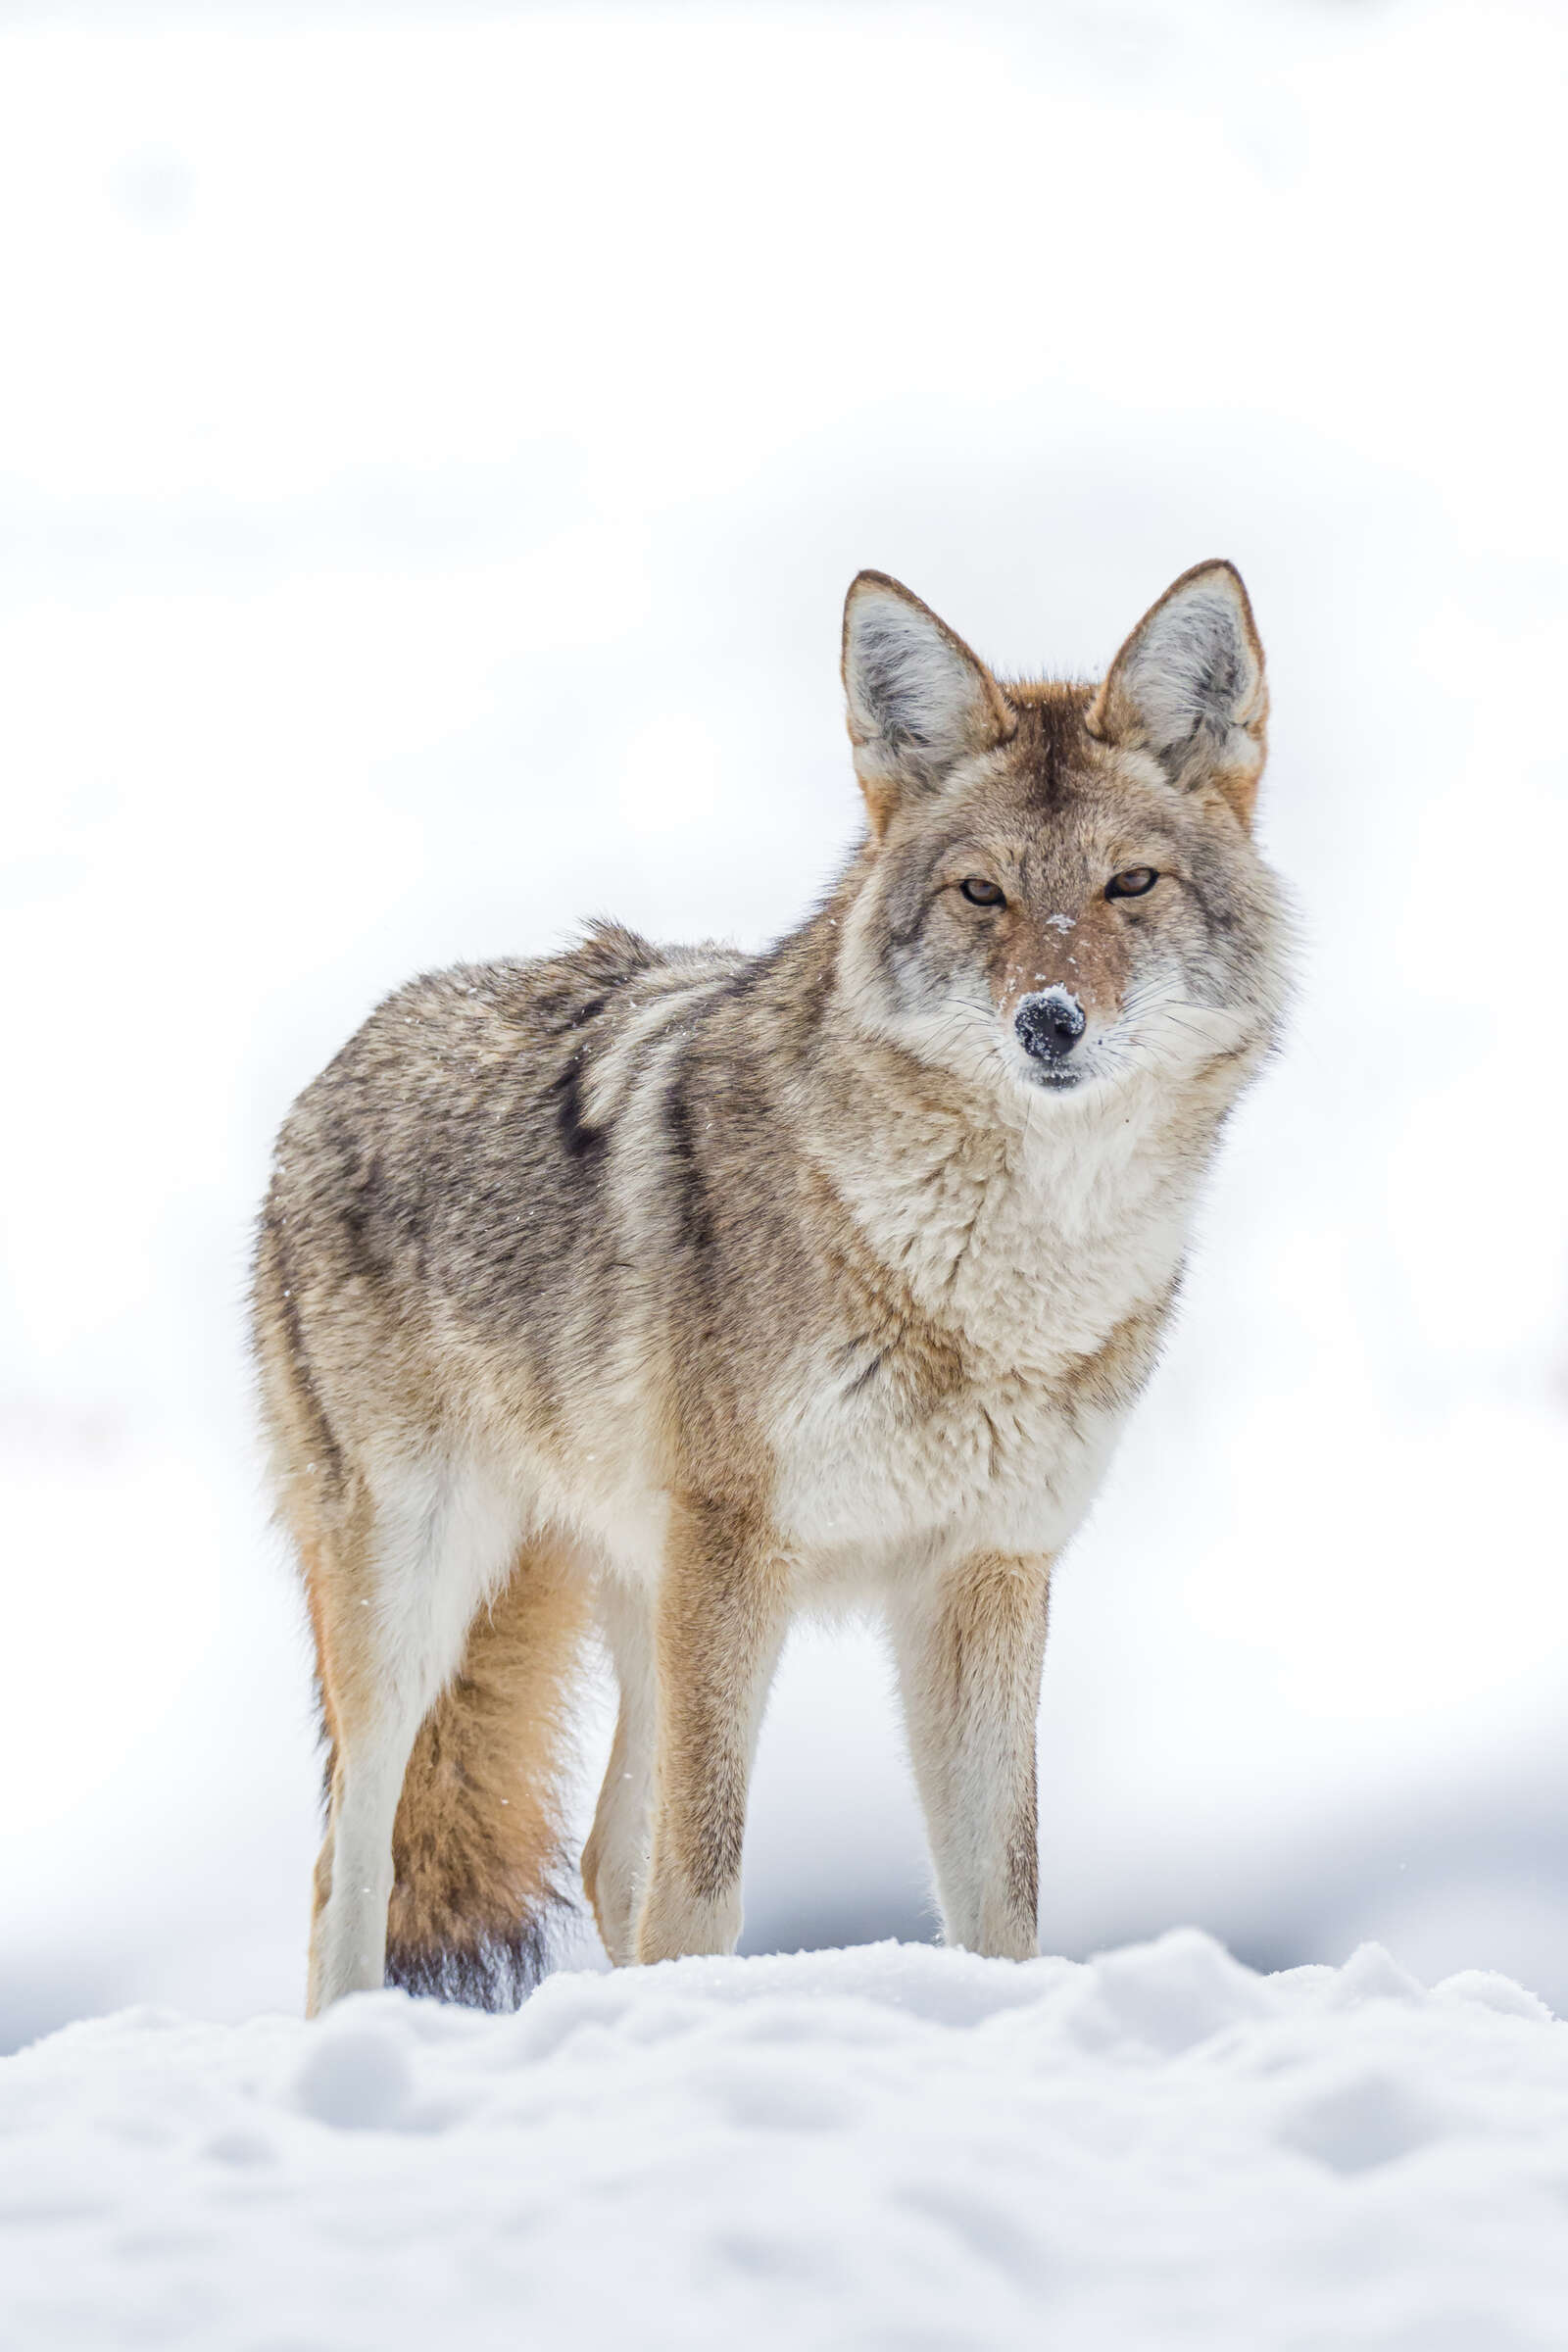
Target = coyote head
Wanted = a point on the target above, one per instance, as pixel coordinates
(1061, 892)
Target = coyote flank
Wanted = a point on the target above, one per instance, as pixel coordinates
(665, 1292)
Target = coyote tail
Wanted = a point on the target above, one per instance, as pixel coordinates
(479, 1869)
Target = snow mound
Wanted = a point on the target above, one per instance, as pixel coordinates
(891, 2147)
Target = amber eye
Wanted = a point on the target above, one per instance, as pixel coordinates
(1133, 883)
(983, 894)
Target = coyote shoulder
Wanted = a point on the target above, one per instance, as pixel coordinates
(659, 1294)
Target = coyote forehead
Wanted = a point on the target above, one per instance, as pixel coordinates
(672, 1290)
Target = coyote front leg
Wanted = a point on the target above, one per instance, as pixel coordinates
(720, 1619)
(970, 1648)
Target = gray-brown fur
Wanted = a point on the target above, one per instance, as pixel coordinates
(691, 1288)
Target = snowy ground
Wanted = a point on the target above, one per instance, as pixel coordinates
(894, 2149)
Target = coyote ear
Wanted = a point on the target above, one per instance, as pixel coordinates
(1189, 686)
(918, 700)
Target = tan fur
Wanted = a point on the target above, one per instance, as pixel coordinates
(722, 1617)
(477, 1849)
(970, 1679)
(478, 1843)
(677, 1291)
(1090, 960)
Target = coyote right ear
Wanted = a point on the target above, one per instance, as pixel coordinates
(918, 700)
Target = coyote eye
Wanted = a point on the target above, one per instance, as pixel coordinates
(983, 894)
(1133, 883)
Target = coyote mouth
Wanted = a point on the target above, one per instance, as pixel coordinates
(1057, 1082)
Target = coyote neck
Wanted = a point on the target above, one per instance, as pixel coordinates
(1033, 1232)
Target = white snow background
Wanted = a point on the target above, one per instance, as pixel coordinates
(433, 449)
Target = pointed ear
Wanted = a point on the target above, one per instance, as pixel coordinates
(1189, 686)
(918, 700)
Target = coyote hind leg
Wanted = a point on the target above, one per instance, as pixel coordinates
(615, 1860)
(392, 1591)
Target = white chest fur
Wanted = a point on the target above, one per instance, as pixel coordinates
(1034, 1271)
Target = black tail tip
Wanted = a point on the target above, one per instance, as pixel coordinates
(495, 1972)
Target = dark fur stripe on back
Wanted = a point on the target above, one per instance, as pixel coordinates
(693, 1214)
(580, 1139)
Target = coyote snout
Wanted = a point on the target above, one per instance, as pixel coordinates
(1048, 1024)
(660, 1294)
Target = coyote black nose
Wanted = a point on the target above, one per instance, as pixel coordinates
(1049, 1024)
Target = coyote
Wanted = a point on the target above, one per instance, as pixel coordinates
(661, 1292)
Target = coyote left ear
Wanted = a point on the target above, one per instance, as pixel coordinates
(1189, 686)
(918, 700)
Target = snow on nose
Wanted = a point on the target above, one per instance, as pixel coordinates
(1050, 1022)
